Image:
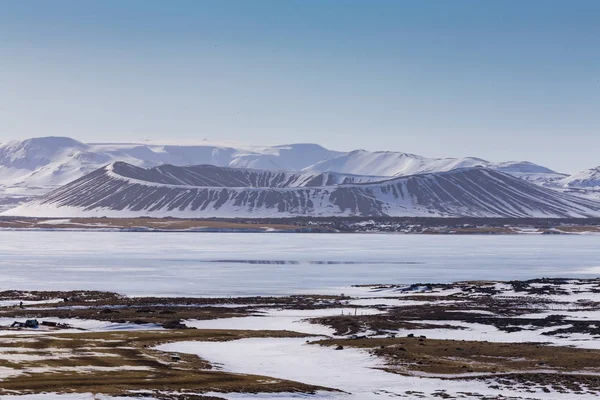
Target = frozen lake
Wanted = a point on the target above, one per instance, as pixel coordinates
(234, 264)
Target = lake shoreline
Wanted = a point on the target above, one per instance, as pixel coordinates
(431, 226)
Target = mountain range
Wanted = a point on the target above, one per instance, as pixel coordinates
(37, 170)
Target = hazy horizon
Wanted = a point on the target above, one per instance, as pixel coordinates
(499, 81)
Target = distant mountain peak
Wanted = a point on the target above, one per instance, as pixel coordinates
(588, 179)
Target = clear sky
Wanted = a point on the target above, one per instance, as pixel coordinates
(501, 80)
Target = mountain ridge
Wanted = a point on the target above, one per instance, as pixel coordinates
(213, 176)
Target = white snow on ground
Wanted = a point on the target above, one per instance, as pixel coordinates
(583, 315)
(295, 320)
(387, 302)
(79, 325)
(62, 396)
(481, 332)
(6, 372)
(351, 370)
(574, 293)
(281, 320)
(54, 222)
(355, 371)
(15, 303)
(370, 293)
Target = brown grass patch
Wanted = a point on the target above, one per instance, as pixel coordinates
(117, 362)
(150, 223)
(452, 357)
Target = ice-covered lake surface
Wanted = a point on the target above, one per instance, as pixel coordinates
(247, 264)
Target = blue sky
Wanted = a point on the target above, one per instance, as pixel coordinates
(494, 79)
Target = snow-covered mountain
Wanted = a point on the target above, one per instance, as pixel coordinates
(46, 162)
(36, 166)
(588, 179)
(122, 189)
(389, 163)
(43, 163)
(39, 164)
(529, 171)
